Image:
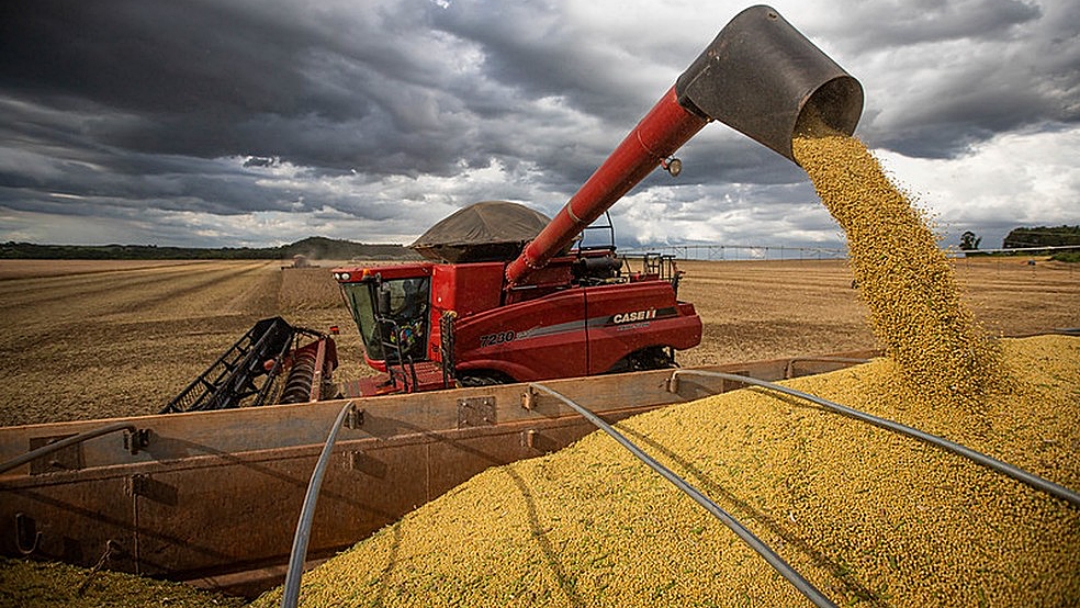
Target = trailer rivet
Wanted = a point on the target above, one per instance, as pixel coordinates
(673, 384)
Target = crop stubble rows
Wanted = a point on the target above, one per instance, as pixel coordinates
(121, 342)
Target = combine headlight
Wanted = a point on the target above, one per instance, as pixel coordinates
(341, 276)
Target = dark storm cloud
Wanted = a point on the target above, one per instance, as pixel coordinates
(532, 48)
(398, 111)
(373, 90)
(151, 57)
(949, 75)
(872, 26)
(212, 79)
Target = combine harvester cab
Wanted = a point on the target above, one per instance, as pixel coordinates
(212, 497)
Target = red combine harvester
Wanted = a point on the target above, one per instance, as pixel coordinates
(504, 298)
(211, 497)
(452, 322)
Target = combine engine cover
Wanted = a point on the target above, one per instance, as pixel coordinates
(615, 327)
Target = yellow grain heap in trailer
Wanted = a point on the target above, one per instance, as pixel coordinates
(864, 514)
(869, 517)
(27, 584)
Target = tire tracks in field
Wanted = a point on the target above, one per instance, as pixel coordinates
(73, 268)
(53, 288)
(117, 347)
(67, 324)
(179, 294)
(124, 294)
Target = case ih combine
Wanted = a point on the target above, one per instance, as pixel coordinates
(505, 299)
(212, 496)
(452, 322)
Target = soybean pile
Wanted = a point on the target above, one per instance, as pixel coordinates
(904, 278)
(868, 517)
(26, 584)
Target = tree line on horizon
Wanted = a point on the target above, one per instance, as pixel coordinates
(314, 248)
(1031, 238)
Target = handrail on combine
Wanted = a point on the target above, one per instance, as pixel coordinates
(804, 586)
(134, 442)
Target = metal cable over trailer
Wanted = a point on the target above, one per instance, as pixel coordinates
(804, 586)
(1006, 469)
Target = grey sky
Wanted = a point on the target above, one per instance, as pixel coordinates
(228, 123)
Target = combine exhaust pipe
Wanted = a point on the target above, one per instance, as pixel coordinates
(760, 76)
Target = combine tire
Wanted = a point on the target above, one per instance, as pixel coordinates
(486, 379)
(656, 357)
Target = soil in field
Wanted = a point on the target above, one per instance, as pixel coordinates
(121, 340)
(780, 309)
(108, 339)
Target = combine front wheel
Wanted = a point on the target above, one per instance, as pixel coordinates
(488, 378)
(654, 357)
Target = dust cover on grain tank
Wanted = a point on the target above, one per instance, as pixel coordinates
(489, 231)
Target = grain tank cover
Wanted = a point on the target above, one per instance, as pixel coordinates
(489, 231)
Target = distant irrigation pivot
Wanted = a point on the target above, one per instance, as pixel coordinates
(786, 252)
(739, 252)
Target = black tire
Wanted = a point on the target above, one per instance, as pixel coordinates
(489, 378)
(646, 359)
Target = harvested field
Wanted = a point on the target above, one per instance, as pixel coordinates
(110, 339)
(777, 309)
(101, 339)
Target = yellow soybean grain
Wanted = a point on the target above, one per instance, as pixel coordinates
(869, 517)
(28, 584)
(906, 281)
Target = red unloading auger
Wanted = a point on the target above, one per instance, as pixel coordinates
(759, 76)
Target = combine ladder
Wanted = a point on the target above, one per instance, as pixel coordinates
(394, 355)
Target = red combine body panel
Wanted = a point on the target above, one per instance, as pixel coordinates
(471, 329)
